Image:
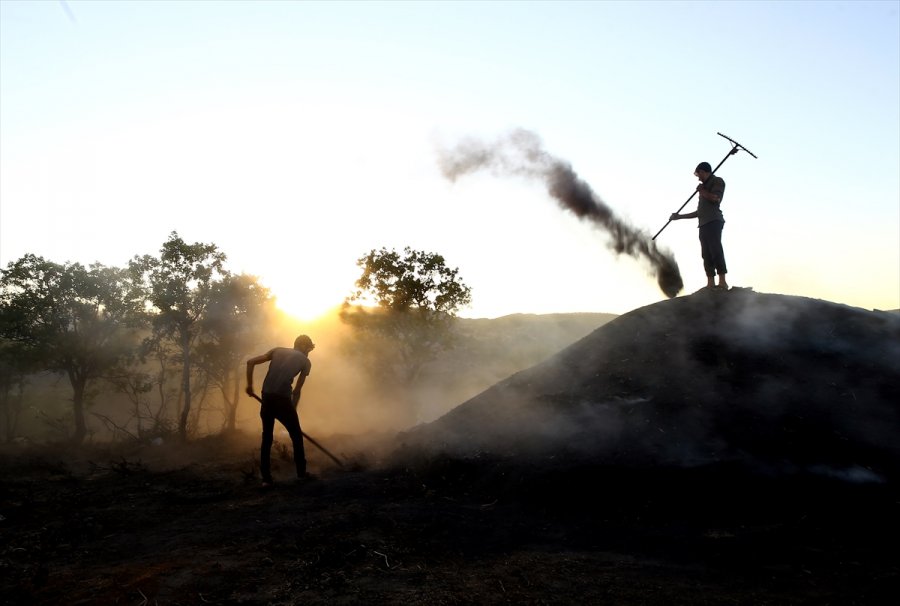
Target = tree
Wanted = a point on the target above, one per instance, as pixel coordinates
(179, 286)
(68, 319)
(237, 310)
(415, 297)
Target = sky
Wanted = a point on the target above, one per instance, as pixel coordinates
(298, 136)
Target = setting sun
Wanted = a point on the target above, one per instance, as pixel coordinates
(312, 292)
(304, 309)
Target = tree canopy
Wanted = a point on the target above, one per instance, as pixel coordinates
(179, 284)
(402, 311)
(96, 323)
(413, 280)
(68, 319)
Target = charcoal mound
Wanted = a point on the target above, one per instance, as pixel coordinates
(769, 383)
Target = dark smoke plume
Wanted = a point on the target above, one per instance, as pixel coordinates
(520, 153)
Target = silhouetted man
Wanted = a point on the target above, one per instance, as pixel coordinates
(710, 220)
(279, 401)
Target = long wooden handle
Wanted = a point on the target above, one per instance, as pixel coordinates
(311, 440)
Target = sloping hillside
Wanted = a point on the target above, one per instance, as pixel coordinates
(775, 383)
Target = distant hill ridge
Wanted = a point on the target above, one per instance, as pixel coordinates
(493, 348)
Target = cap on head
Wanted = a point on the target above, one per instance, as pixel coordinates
(704, 166)
(304, 342)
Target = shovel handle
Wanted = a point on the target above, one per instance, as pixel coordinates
(736, 147)
(311, 440)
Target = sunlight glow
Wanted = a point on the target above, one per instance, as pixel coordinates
(305, 309)
(310, 289)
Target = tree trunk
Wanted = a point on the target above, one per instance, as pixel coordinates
(185, 384)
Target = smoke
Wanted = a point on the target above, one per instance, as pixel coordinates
(789, 385)
(520, 153)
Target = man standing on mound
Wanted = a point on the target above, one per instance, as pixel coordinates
(710, 220)
(279, 401)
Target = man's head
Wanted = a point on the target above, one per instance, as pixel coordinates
(703, 171)
(304, 343)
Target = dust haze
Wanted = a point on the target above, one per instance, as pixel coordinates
(345, 394)
(521, 153)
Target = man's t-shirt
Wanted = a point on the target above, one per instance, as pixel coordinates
(708, 211)
(286, 364)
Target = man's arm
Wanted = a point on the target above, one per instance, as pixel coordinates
(676, 216)
(251, 363)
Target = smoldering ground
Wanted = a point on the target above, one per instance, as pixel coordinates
(521, 153)
(776, 384)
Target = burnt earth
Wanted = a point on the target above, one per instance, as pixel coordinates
(609, 474)
(441, 531)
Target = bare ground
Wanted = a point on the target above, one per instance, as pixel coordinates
(107, 526)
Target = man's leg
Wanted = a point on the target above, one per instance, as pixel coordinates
(287, 415)
(718, 253)
(265, 451)
(707, 254)
(291, 422)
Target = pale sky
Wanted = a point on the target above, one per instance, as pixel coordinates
(297, 136)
